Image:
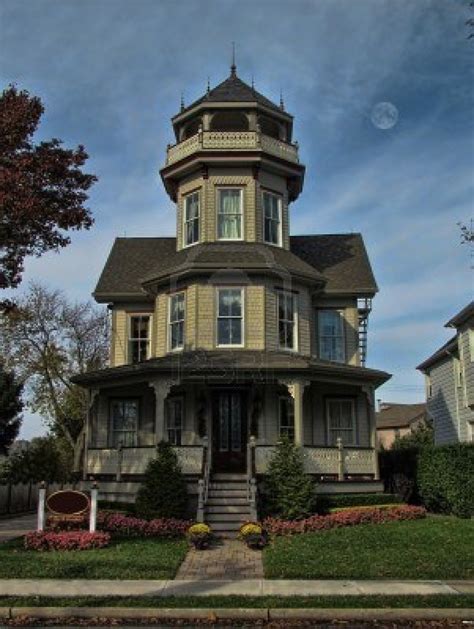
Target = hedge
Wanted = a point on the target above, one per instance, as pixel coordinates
(398, 469)
(326, 502)
(446, 479)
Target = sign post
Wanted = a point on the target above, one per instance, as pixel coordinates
(41, 502)
(93, 512)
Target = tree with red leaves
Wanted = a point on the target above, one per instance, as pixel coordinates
(42, 187)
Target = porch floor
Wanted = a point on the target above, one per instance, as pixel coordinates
(226, 559)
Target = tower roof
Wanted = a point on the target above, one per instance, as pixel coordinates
(233, 89)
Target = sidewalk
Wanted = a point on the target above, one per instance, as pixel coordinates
(244, 587)
(15, 526)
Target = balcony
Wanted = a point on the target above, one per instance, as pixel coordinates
(232, 141)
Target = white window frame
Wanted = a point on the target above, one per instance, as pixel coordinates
(241, 189)
(289, 400)
(320, 336)
(353, 430)
(130, 340)
(280, 218)
(217, 317)
(295, 321)
(186, 221)
(170, 298)
(174, 429)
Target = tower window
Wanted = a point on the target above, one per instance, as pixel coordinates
(191, 219)
(230, 316)
(139, 340)
(176, 322)
(331, 335)
(272, 218)
(287, 320)
(229, 213)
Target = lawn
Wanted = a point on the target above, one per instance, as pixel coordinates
(432, 548)
(123, 559)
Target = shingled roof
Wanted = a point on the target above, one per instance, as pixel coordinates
(233, 89)
(339, 259)
(392, 415)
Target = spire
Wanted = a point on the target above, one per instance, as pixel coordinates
(233, 67)
(182, 101)
(208, 85)
(282, 103)
(253, 84)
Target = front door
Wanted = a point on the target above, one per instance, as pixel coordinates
(229, 434)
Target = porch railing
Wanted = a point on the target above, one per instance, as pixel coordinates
(340, 461)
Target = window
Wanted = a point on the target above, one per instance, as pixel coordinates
(429, 386)
(287, 320)
(174, 420)
(139, 341)
(341, 421)
(176, 321)
(331, 335)
(229, 213)
(230, 316)
(272, 218)
(124, 414)
(286, 418)
(191, 219)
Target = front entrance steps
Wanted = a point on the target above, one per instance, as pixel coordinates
(227, 506)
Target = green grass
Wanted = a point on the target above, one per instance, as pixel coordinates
(123, 559)
(432, 548)
(463, 601)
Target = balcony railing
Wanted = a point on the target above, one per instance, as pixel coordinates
(231, 141)
(338, 462)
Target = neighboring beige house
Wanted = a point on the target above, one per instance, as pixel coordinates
(234, 333)
(396, 420)
(449, 375)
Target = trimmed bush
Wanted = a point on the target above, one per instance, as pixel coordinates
(129, 526)
(446, 479)
(348, 517)
(289, 491)
(398, 469)
(163, 493)
(340, 501)
(67, 540)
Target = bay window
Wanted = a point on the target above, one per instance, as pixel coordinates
(331, 335)
(174, 420)
(272, 218)
(229, 213)
(286, 418)
(191, 219)
(124, 416)
(230, 316)
(139, 338)
(176, 321)
(287, 321)
(341, 421)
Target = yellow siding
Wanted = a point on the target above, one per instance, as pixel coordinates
(254, 317)
(119, 336)
(205, 317)
(161, 328)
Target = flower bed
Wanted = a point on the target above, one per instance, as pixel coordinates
(66, 540)
(348, 517)
(130, 526)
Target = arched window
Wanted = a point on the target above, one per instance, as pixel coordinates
(191, 128)
(229, 121)
(269, 127)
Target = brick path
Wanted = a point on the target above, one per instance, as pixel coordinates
(226, 559)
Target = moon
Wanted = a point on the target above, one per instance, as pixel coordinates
(384, 115)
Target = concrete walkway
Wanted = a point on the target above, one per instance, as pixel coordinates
(225, 560)
(243, 587)
(15, 526)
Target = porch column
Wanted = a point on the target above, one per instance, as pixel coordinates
(296, 390)
(162, 387)
(93, 393)
(370, 397)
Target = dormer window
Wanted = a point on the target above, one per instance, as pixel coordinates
(139, 339)
(229, 213)
(191, 219)
(272, 218)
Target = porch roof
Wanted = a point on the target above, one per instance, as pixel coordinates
(227, 365)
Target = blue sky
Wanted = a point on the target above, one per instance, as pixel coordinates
(110, 74)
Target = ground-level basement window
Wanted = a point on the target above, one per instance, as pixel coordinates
(174, 420)
(286, 417)
(341, 421)
(124, 416)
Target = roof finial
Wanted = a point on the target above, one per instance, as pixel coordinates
(253, 83)
(233, 67)
(282, 103)
(182, 101)
(208, 85)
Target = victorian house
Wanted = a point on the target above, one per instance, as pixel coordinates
(234, 333)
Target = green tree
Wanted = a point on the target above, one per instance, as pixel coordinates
(289, 490)
(421, 436)
(11, 406)
(45, 459)
(163, 493)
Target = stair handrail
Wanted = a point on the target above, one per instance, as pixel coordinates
(207, 467)
(251, 466)
(203, 483)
